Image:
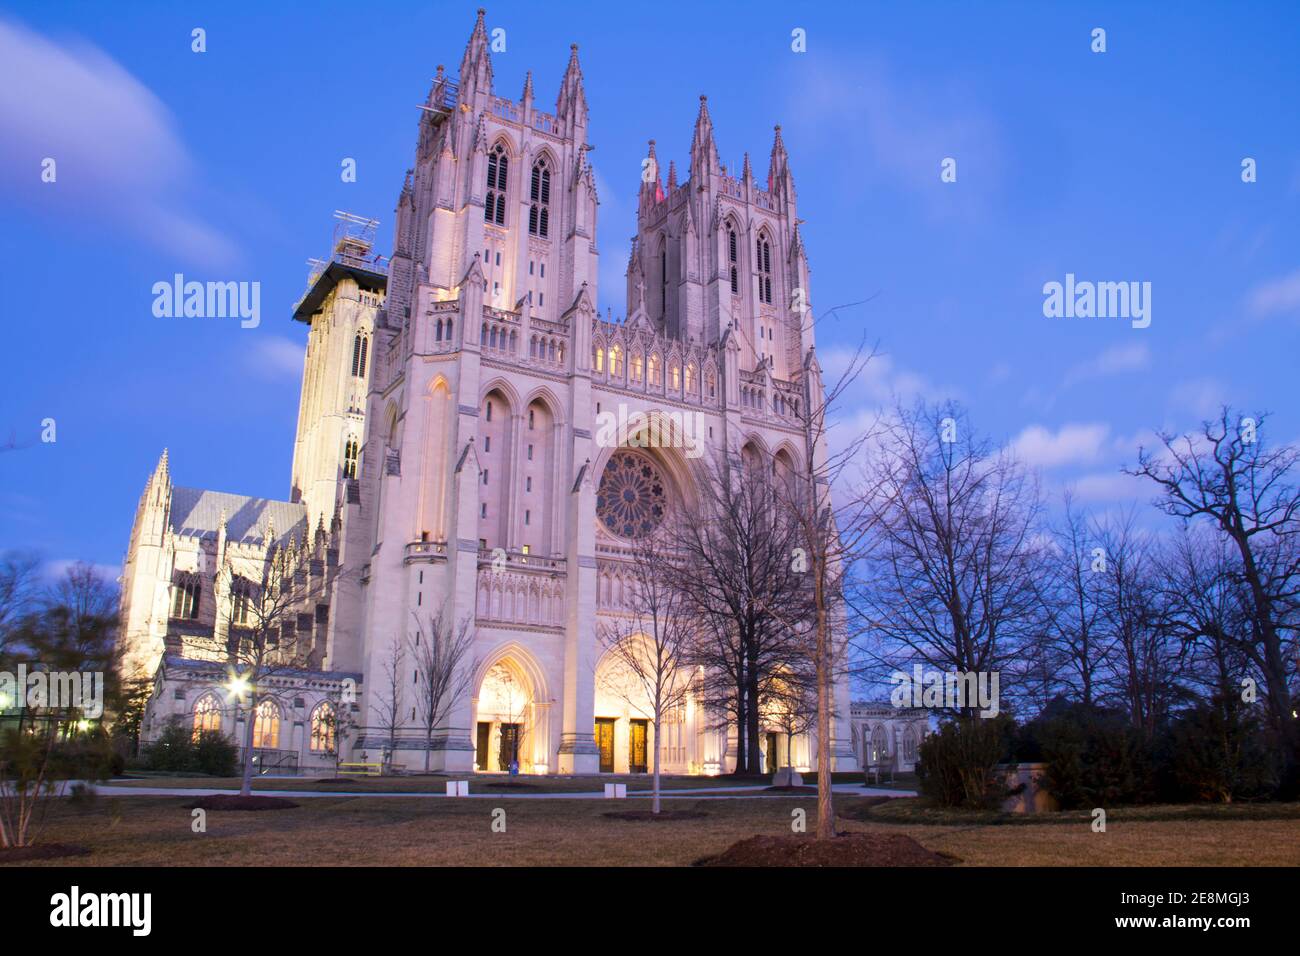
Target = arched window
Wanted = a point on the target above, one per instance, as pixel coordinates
(323, 721)
(241, 600)
(656, 374)
(731, 259)
(615, 359)
(878, 751)
(185, 596)
(207, 715)
(690, 378)
(360, 346)
(600, 360)
(350, 452)
(675, 376)
(711, 382)
(266, 726)
(539, 197)
(637, 367)
(909, 744)
(764, 263)
(498, 170)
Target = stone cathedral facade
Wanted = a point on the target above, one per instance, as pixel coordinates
(449, 456)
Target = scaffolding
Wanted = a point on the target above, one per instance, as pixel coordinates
(353, 245)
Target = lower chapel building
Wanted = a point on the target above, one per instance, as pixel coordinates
(448, 455)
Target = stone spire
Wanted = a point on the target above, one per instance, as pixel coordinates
(476, 64)
(779, 179)
(672, 177)
(527, 96)
(158, 491)
(704, 152)
(571, 105)
(162, 471)
(651, 185)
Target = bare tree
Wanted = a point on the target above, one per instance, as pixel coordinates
(1206, 609)
(1227, 475)
(649, 646)
(1077, 645)
(1146, 665)
(443, 669)
(18, 594)
(951, 578)
(791, 705)
(828, 539)
(337, 725)
(68, 629)
(389, 703)
(256, 630)
(26, 783)
(733, 565)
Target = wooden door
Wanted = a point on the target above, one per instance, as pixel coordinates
(483, 745)
(605, 741)
(636, 752)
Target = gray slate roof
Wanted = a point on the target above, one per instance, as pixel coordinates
(196, 512)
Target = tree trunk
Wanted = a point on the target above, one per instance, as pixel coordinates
(246, 784)
(428, 745)
(742, 753)
(753, 758)
(825, 804)
(654, 802)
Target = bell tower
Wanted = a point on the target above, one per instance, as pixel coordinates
(344, 297)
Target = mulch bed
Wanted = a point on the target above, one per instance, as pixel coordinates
(233, 801)
(662, 815)
(42, 851)
(520, 785)
(846, 849)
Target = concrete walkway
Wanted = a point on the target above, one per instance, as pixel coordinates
(703, 793)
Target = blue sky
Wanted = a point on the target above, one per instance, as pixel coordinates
(1120, 166)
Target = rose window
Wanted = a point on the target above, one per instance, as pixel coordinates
(632, 498)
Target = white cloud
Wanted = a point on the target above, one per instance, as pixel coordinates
(881, 381)
(119, 159)
(1276, 296)
(1111, 486)
(1038, 446)
(276, 357)
(1202, 397)
(53, 571)
(1119, 359)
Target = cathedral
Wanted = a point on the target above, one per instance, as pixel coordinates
(450, 457)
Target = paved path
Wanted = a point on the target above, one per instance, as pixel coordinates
(703, 793)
